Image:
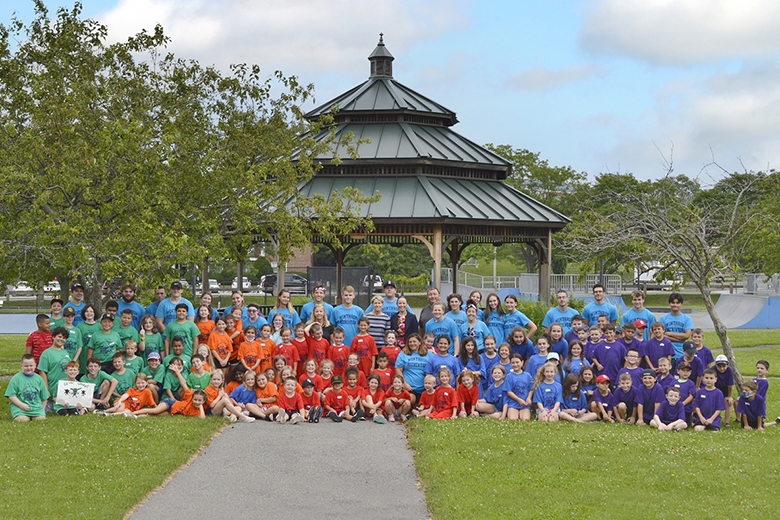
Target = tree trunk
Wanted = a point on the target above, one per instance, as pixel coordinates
(93, 289)
(720, 330)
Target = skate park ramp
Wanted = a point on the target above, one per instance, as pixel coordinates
(741, 311)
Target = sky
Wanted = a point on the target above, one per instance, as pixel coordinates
(603, 86)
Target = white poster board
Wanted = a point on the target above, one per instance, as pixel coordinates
(71, 393)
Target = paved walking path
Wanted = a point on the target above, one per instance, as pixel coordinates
(342, 471)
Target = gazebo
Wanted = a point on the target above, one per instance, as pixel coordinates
(436, 186)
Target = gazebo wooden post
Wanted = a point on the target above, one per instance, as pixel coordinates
(545, 252)
(455, 259)
(437, 249)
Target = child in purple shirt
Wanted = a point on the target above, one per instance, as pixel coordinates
(656, 347)
(648, 397)
(687, 390)
(752, 407)
(708, 404)
(665, 377)
(632, 368)
(702, 352)
(609, 355)
(624, 398)
(603, 400)
(696, 364)
(762, 367)
(725, 384)
(671, 413)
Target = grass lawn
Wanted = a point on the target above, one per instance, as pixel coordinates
(483, 468)
(91, 466)
(11, 352)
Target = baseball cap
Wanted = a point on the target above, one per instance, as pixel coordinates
(69, 311)
(553, 355)
(689, 347)
(603, 378)
(154, 355)
(336, 379)
(75, 286)
(106, 317)
(307, 382)
(640, 324)
(648, 372)
(721, 360)
(176, 285)
(389, 283)
(684, 366)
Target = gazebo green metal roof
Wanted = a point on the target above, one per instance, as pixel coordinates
(401, 141)
(444, 199)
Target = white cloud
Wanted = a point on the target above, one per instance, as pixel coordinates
(682, 31)
(304, 38)
(731, 118)
(543, 78)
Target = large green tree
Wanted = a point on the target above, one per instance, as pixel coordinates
(120, 160)
(673, 222)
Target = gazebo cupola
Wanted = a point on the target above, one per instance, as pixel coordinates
(381, 60)
(436, 186)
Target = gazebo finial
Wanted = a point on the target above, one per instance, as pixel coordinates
(381, 40)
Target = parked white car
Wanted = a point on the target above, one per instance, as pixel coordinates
(52, 287)
(245, 284)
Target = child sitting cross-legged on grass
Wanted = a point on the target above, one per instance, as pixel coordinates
(671, 413)
(133, 399)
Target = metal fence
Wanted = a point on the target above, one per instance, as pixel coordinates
(357, 277)
(761, 284)
(613, 283)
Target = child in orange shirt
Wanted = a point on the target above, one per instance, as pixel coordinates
(265, 348)
(397, 400)
(219, 403)
(446, 398)
(193, 404)
(267, 395)
(247, 351)
(286, 372)
(365, 347)
(134, 399)
(372, 399)
(204, 323)
(221, 345)
(236, 337)
(427, 400)
(204, 351)
(290, 402)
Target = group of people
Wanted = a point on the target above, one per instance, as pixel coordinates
(382, 363)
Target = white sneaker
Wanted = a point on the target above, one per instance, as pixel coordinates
(130, 415)
(233, 418)
(248, 419)
(296, 419)
(282, 416)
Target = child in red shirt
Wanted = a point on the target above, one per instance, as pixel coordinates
(354, 391)
(397, 400)
(353, 361)
(427, 400)
(446, 398)
(39, 340)
(336, 400)
(365, 347)
(312, 411)
(384, 372)
(318, 345)
(302, 345)
(338, 352)
(310, 372)
(290, 403)
(468, 393)
(372, 400)
(287, 349)
(391, 348)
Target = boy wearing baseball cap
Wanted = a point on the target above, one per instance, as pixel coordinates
(725, 383)
(337, 400)
(603, 398)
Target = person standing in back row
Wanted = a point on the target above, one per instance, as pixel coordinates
(600, 306)
(678, 326)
